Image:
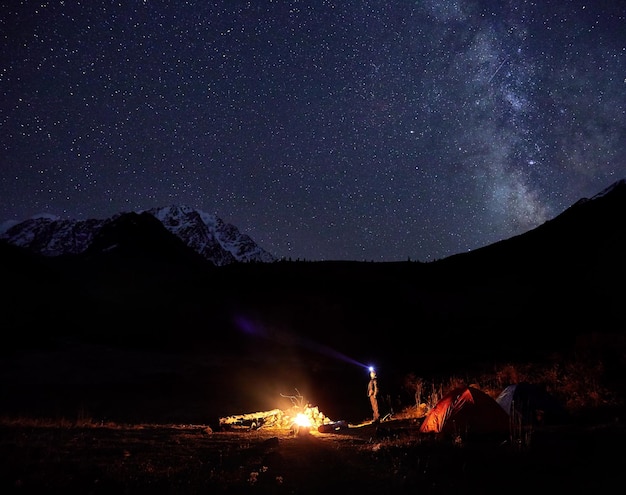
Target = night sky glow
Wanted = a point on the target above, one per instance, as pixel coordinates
(324, 129)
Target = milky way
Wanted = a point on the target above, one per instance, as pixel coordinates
(353, 130)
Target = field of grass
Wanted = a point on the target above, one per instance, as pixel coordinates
(392, 457)
(81, 454)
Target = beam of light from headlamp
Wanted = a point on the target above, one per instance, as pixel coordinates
(247, 326)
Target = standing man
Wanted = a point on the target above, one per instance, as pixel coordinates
(372, 393)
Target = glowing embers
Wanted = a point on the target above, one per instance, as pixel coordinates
(301, 424)
(303, 420)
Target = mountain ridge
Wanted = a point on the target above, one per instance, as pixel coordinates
(218, 242)
(207, 234)
(134, 288)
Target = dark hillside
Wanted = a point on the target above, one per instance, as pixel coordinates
(272, 327)
(583, 245)
(560, 279)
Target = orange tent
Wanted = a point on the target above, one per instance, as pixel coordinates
(466, 410)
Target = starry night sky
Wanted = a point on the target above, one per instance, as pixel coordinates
(324, 129)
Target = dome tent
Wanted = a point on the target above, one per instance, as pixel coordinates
(531, 404)
(466, 410)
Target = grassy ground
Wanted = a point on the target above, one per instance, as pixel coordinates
(135, 428)
(392, 457)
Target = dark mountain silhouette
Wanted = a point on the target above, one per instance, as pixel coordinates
(583, 242)
(120, 289)
(553, 283)
(140, 245)
(140, 306)
(519, 297)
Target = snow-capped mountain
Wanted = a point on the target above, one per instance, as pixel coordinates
(209, 236)
(206, 234)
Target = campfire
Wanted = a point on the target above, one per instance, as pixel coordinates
(300, 417)
(294, 418)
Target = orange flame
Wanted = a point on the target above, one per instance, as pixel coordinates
(302, 420)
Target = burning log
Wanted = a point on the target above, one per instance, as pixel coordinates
(252, 421)
(300, 416)
(294, 418)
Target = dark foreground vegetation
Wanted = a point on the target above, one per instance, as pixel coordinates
(81, 454)
(392, 457)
